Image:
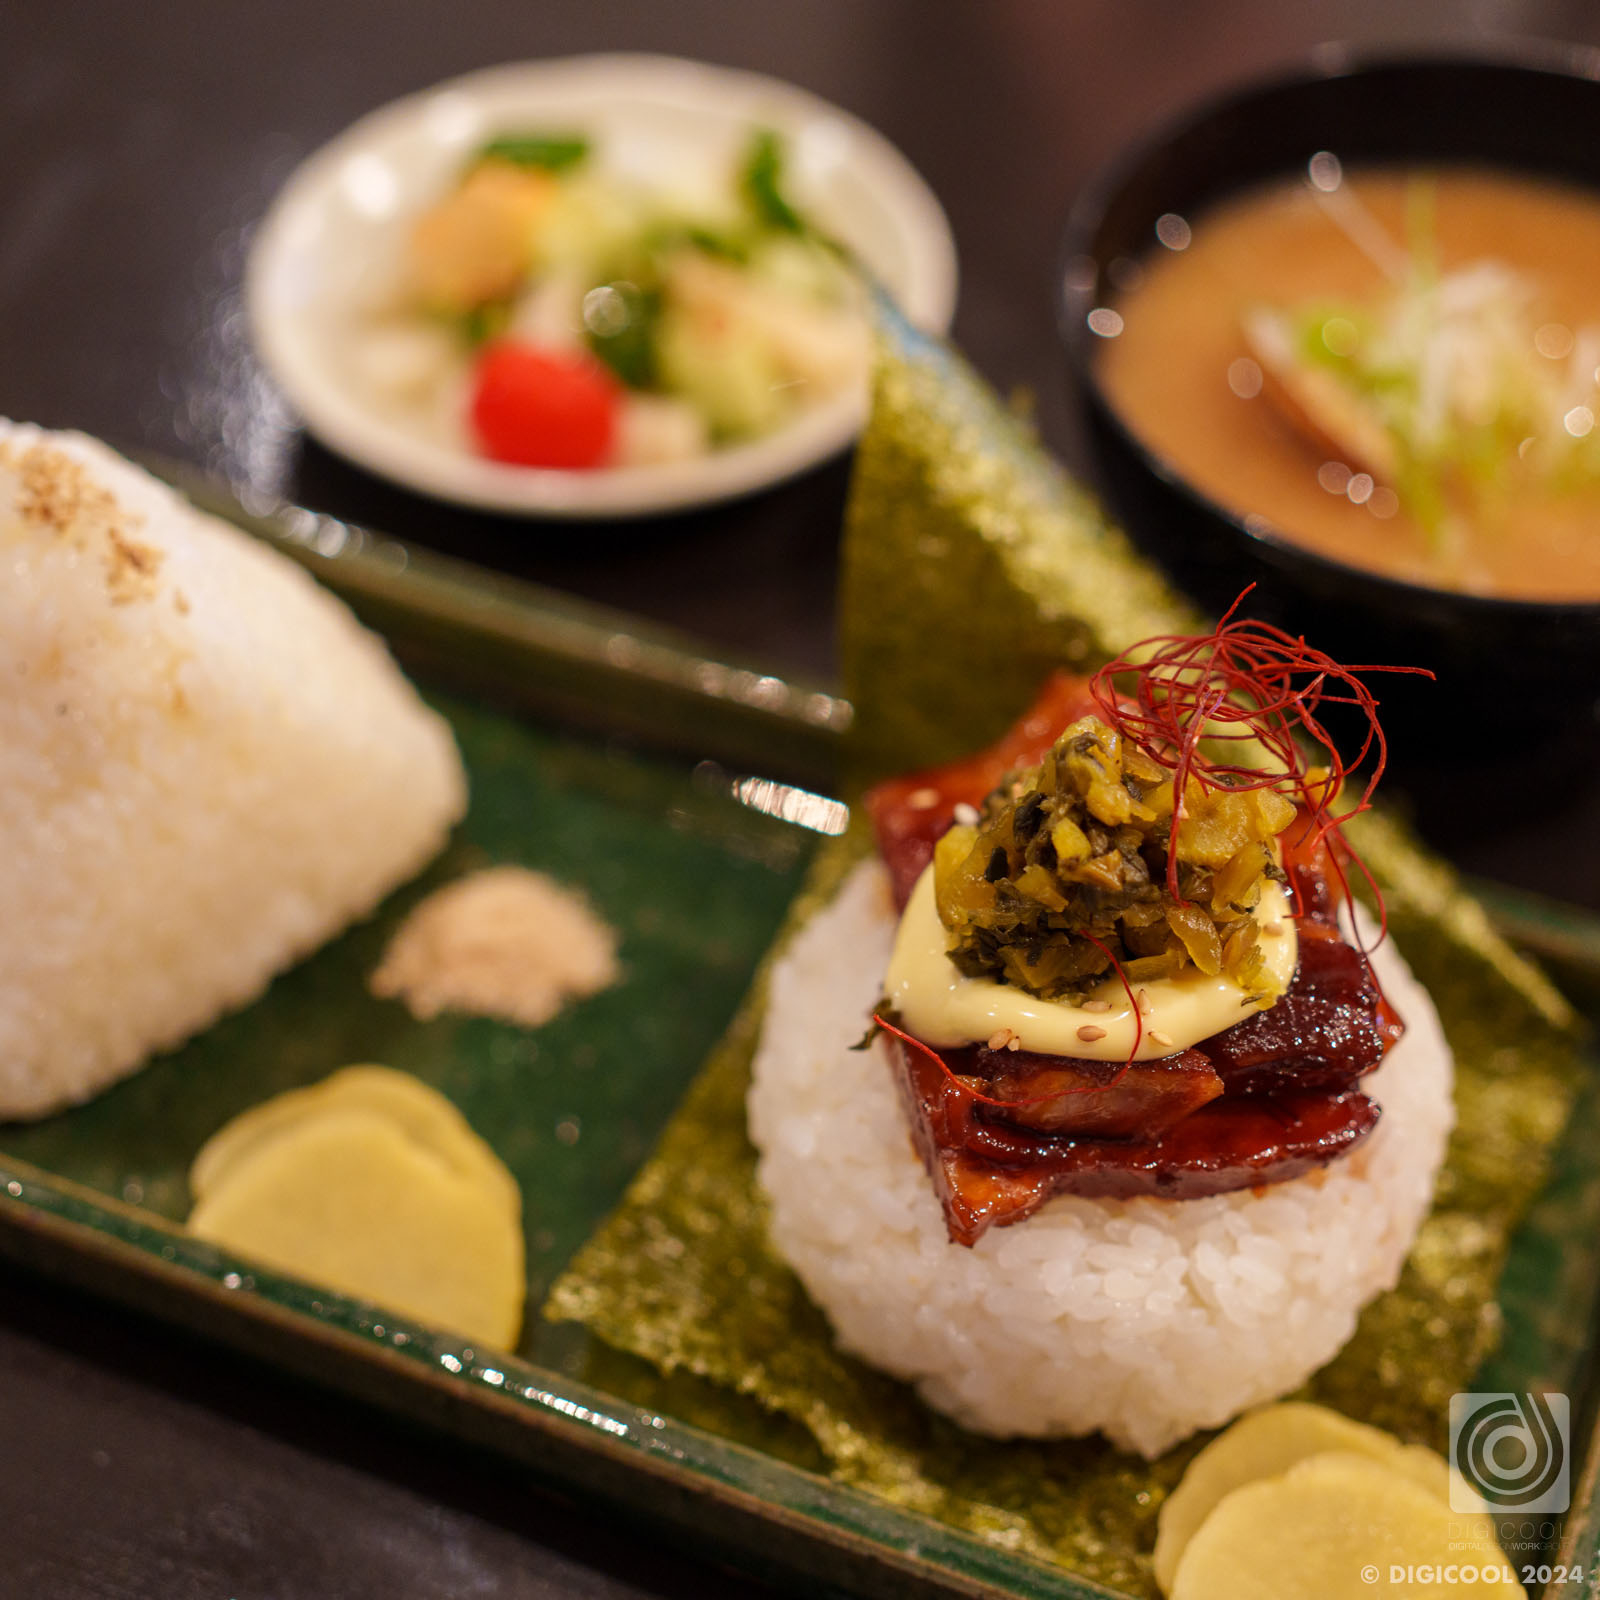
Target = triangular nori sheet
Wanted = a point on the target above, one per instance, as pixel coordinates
(972, 567)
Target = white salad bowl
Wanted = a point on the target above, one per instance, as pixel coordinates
(342, 219)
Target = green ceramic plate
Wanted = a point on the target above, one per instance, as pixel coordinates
(697, 880)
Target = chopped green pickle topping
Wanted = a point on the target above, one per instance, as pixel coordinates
(1065, 871)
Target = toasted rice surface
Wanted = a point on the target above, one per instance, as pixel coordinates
(1142, 1319)
(209, 767)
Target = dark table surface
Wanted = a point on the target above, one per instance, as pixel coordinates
(140, 146)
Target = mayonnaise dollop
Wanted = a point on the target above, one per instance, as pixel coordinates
(945, 1008)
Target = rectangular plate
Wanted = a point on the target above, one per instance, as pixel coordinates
(696, 882)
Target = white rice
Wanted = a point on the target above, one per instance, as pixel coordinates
(1141, 1319)
(207, 767)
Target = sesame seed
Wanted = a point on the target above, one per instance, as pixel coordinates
(965, 814)
(1089, 1033)
(1096, 1005)
(999, 1039)
(1161, 1039)
(1144, 1002)
(1273, 927)
(923, 799)
(1015, 1042)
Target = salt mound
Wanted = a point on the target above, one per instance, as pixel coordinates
(208, 768)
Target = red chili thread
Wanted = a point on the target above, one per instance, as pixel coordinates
(1133, 1003)
(1249, 682)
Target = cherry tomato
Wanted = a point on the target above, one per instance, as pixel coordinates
(543, 408)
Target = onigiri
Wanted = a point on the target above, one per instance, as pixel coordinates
(209, 768)
(1144, 1319)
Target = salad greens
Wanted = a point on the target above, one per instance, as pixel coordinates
(543, 152)
(627, 342)
(761, 183)
(713, 312)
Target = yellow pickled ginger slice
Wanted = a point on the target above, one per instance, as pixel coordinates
(1265, 1444)
(346, 1196)
(417, 1109)
(1339, 1526)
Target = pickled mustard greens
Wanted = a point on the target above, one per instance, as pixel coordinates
(1066, 871)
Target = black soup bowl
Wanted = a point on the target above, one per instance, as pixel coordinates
(1536, 112)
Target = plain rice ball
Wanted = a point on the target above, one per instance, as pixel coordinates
(208, 768)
